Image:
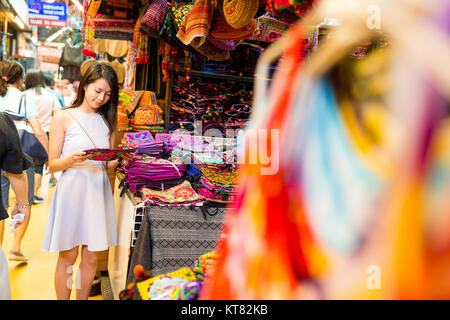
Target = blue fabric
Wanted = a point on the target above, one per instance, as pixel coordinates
(58, 95)
(341, 193)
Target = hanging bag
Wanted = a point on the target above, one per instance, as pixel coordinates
(30, 144)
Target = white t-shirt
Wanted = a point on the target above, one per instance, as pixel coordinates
(11, 102)
(47, 104)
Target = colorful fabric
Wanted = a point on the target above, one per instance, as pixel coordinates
(212, 52)
(144, 286)
(267, 236)
(148, 99)
(136, 139)
(218, 177)
(215, 197)
(129, 99)
(270, 29)
(204, 264)
(107, 154)
(222, 45)
(197, 24)
(148, 115)
(179, 194)
(179, 12)
(153, 129)
(215, 188)
(155, 14)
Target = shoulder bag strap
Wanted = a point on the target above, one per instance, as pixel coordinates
(85, 131)
(22, 98)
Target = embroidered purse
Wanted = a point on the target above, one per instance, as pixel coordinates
(148, 115)
(129, 99)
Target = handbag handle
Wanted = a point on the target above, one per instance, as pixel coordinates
(85, 131)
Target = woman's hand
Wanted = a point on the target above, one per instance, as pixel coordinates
(25, 209)
(128, 156)
(79, 157)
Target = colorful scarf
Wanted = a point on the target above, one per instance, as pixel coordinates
(197, 24)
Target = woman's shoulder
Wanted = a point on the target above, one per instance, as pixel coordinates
(62, 115)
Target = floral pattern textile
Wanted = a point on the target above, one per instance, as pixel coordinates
(107, 154)
(179, 194)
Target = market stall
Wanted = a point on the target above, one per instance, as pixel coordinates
(187, 93)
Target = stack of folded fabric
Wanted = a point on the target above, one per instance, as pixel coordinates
(181, 195)
(149, 172)
(151, 149)
(214, 183)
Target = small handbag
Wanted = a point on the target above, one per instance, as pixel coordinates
(30, 144)
(148, 115)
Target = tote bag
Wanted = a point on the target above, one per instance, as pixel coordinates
(30, 144)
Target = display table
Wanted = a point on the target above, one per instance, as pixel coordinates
(118, 257)
(161, 239)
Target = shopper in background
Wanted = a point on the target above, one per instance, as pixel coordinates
(50, 83)
(68, 94)
(11, 84)
(47, 105)
(82, 211)
(13, 161)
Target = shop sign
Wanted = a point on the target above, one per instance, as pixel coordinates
(45, 14)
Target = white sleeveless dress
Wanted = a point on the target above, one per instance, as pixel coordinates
(82, 210)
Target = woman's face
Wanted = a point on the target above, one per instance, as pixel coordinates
(97, 93)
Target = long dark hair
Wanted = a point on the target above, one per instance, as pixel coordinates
(10, 73)
(35, 79)
(97, 71)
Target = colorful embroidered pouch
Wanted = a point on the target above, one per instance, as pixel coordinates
(107, 154)
(129, 99)
(181, 193)
(148, 115)
(136, 139)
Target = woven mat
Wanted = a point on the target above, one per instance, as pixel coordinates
(173, 238)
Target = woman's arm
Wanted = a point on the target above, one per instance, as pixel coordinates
(114, 163)
(39, 133)
(58, 129)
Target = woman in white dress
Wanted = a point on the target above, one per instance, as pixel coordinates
(82, 210)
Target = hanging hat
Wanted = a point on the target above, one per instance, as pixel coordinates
(240, 13)
(119, 69)
(85, 65)
(221, 30)
(116, 48)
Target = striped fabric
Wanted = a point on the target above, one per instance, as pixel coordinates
(197, 24)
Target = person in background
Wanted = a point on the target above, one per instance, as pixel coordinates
(11, 84)
(68, 94)
(47, 105)
(50, 83)
(13, 161)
